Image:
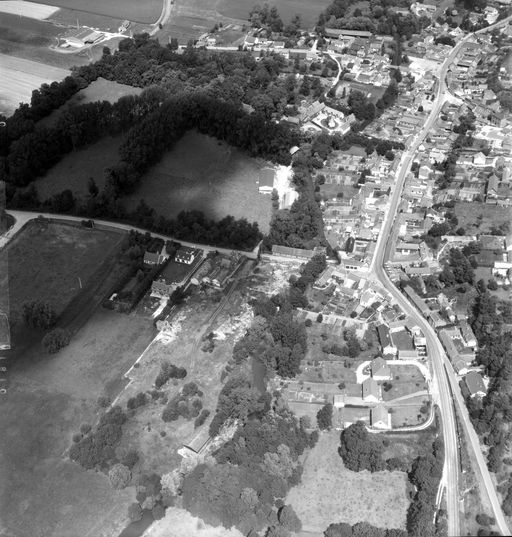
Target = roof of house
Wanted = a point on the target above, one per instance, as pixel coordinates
(151, 257)
(384, 337)
(266, 177)
(379, 413)
(379, 367)
(294, 252)
(475, 383)
(402, 340)
(370, 387)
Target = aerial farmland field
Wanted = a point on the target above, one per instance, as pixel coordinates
(133, 10)
(239, 9)
(20, 77)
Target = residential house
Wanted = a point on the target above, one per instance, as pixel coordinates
(152, 258)
(185, 255)
(417, 300)
(473, 385)
(467, 334)
(380, 369)
(380, 418)
(370, 391)
(385, 340)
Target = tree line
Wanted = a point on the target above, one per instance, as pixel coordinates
(491, 414)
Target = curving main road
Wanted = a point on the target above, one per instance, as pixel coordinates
(443, 379)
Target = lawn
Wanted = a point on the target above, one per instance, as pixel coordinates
(99, 90)
(133, 10)
(205, 174)
(481, 217)
(330, 493)
(42, 492)
(408, 415)
(406, 380)
(74, 170)
(408, 446)
(46, 261)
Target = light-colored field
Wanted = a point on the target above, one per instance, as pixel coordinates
(205, 174)
(19, 77)
(178, 522)
(331, 493)
(43, 493)
(133, 10)
(27, 9)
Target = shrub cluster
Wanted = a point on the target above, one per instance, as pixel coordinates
(97, 448)
(169, 371)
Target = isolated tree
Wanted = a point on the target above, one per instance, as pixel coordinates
(56, 340)
(39, 314)
(324, 417)
(119, 476)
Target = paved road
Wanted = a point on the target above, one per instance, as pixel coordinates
(442, 381)
(22, 217)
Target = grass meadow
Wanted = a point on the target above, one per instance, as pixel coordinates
(46, 260)
(205, 174)
(43, 493)
(74, 170)
(481, 217)
(99, 90)
(330, 493)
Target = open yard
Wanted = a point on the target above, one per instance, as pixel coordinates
(331, 493)
(408, 446)
(20, 77)
(74, 170)
(42, 493)
(205, 174)
(406, 380)
(481, 217)
(133, 10)
(50, 261)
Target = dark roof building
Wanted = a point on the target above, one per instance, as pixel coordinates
(474, 385)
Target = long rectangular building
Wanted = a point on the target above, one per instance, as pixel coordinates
(417, 300)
